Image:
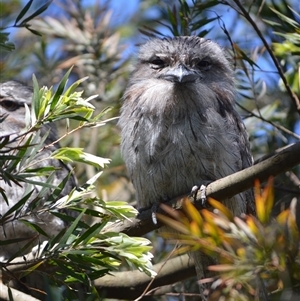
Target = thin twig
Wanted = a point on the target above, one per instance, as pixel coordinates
(276, 63)
(152, 280)
(277, 126)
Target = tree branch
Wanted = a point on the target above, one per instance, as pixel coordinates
(16, 295)
(180, 267)
(224, 188)
(274, 124)
(121, 284)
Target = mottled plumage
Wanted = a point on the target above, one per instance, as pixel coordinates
(178, 122)
(179, 126)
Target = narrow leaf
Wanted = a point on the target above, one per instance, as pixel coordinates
(23, 11)
(173, 223)
(37, 12)
(60, 89)
(34, 226)
(221, 207)
(71, 229)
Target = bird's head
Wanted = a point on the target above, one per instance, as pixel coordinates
(13, 97)
(183, 60)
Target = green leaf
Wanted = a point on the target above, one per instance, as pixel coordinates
(286, 19)
(35, 32)
(34, 227)
(242, 55)
(202, 22)
(30, 269)
(58, 190)
(121, 209)
(73, 116)
(89, 234)
(74, 86)
(70, 230)
(23, 11)
(17, 206)
(68, 154)
(37, 12)
(60, 89)
(7, 46)
(25, 249)
(35, 99)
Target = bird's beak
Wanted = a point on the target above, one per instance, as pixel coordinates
(180, 74)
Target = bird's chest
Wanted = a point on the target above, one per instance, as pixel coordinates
(183, 138)
(170, 156)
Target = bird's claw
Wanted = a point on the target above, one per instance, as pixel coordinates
(203, 194)
(153, 214)
(194, 193)
(142, 215)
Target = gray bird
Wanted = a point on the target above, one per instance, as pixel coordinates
(179, 127)
(13, 97)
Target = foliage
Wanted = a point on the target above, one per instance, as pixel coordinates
(185, 19)
(262, 39)
(21, 21)
(83, 252)
(289, 50)
(247, 248)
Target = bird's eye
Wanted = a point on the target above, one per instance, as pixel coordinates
(9, 105)
(204, 64)
(157, 63)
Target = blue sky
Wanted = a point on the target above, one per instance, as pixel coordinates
(123, 10)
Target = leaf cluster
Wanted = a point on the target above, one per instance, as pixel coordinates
(86, 39)
(21, 21)
(84, 250)
(185, 18)
(289, 49)
(250, 250)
